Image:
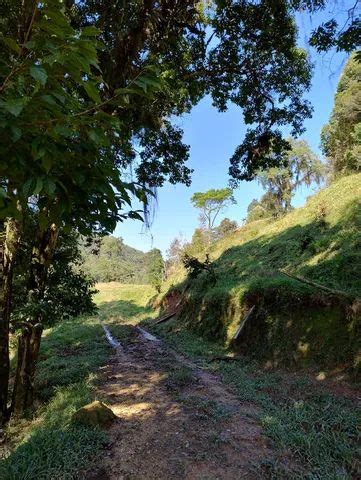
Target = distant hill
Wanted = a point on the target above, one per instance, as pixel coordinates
(293, 322)
(110, 260)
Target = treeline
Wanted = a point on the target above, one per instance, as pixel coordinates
(109, 259)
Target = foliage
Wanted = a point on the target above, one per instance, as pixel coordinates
(341, 137)
(226, 227)
(109, 259)
(319, 242)
(195, 267)
(301, 166)
(202, 238)
(155, 268)
(263, 208)
(59, 149)
(211, 204)
(69, 291)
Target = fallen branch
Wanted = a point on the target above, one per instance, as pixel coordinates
(165, 318)
(240, 328)
(318, 285)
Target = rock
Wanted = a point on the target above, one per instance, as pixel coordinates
(95, 414)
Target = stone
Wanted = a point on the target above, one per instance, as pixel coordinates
(95, 414)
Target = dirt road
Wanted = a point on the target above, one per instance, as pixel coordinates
(175, 420)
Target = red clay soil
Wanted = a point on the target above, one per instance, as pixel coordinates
(175, 421)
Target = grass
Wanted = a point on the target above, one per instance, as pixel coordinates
(320, 429)
(47, 445)
(301, 417)
(206, 409)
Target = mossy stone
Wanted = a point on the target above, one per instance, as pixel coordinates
(95, 414)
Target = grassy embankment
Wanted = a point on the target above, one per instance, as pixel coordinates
(294, 324)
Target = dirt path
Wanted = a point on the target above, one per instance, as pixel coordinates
(176, 421)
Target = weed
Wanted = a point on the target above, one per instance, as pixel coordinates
(206, 409)
(179, 377)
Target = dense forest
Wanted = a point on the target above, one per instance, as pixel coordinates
(235, 355)
(109, 259)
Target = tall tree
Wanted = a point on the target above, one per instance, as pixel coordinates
(59, 160)
(301, 167)
(211, 204)
(341, 137)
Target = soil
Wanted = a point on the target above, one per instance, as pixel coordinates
(175, 420)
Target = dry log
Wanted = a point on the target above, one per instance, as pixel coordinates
(318, 285)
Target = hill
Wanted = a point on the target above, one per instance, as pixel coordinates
(111, 260)
(294, 323)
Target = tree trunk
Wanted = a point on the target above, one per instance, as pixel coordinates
(8, 252)
(28, 352)
(29, 341)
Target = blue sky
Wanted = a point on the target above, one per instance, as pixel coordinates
(213, 136)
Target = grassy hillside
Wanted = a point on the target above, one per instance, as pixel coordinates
(294, 323)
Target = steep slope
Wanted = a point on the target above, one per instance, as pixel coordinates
(293, 322)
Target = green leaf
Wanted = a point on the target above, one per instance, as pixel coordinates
(49, 186)
(27, 187)
(47, 163)
(90, 32)
(49, 99)
(10, 42)
(14, 106)
(38, 186)
(16, 133)
(92, 91)
(39, 74)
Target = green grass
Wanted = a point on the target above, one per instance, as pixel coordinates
(319, 241)
(319, 429)
(47, 445)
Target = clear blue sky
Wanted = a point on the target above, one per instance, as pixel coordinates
(213, 136)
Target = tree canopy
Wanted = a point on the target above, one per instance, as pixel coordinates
(301, 167)
(341, 137)
(211, 204)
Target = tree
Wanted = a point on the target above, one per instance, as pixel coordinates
(301, 166)
(263, 208)
(211, 204)
(226, 227)
(341, 137)
(155, 268)
(201, 48)
(59, 167)
(110, 259)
